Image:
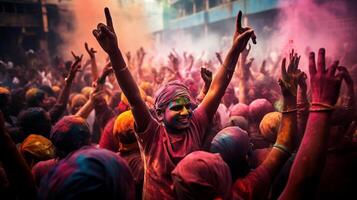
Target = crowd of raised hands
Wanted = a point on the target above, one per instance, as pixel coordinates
(189, 129)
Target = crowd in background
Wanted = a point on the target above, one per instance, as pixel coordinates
(191, 128)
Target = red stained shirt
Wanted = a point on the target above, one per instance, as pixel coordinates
(162, 151)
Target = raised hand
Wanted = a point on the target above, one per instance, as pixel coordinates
(263, 68)
(346, 76)
(206, 75)
(140, 53)
(291, 77)
(219, 57)
(302, 82)
(90, 51)
(325, 84)
(174, 61)
(128, 56)
(106, 36)
(75, 67)
(242, 35)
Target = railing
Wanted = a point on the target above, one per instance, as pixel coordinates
(222, 12)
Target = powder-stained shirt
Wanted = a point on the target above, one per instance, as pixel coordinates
(253, 186)
(162, 151)
(42, 168)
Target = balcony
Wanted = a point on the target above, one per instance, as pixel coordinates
(222, 12)
(19, 20)
(188, 21)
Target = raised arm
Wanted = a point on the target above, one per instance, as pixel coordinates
(224, 74)
(206, 76)
(91, 52)
(261, 178)
(107, 39)
(16, 169)
(87, 108)
(64, 96)
(311, 156)
(244, 75)
(62, 100)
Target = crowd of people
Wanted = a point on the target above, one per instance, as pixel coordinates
(187, 130)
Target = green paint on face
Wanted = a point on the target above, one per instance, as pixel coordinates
(178, 113)
(179, 101)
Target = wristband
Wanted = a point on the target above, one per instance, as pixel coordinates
(282, 148)
(289, 111)
(321, 107)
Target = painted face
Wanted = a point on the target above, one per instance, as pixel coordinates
(178, 113)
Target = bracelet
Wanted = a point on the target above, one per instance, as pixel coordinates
(325, 105)
(282, 148)
(322, 107)
(289, 111)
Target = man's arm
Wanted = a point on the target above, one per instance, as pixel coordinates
(311, 156)
(259, 180)
(224, 74)
(206, 76)
(107, 39)
(91, 52)
(62, 100)
(95, 96)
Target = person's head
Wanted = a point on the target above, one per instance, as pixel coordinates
(36, 148)
(35, 120)
(86, 91)
(258, 108)
(123, 131)
(147, 87)
(240, 109)
(269, 126)
(48, 89)
(56, 90)
(76, 103)
(69, 134)
(173, 105)
(35, 97)
(233, 144)
(239, 121)
(201, 175)
(89, 173)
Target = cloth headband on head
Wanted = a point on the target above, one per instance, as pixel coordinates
(169, 92)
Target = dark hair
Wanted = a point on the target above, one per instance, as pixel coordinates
(34, 97)
(69, 134)
(35, 120)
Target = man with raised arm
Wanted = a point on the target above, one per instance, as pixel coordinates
(179, 130)
(311, 157)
